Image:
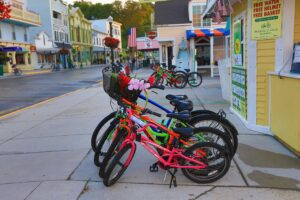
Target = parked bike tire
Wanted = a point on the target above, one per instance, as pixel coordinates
(180, 81)
(96, 133)
(217, 122)
(113, 149)
(208, 134)
(111, 178)
(213, 172)
(194, 79)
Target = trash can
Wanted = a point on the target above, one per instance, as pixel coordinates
(1, 70)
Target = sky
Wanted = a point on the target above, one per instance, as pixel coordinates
(93, 1)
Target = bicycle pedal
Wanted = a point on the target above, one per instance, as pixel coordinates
(153, 168)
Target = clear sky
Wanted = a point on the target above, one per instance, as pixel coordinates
(94, 1)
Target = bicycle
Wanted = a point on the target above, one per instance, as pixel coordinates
(178, 151)
(194, 79)
(17, 71)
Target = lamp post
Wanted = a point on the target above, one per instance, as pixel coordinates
(110, 20)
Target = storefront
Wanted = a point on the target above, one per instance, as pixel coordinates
(17, 54)
(265, 94)
(207, 47)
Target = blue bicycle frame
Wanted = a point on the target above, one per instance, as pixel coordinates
(159, 106)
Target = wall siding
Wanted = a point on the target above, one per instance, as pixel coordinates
(265, 63)
(297, 21)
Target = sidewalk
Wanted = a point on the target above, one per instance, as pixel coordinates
(45, 154)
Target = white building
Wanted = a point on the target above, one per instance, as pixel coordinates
(14, 37)
(103, 26)
(100, 51)
(54, 15)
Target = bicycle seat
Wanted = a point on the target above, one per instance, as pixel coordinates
(182, 116)
(182, 105)
(184, 132)
(178, 97)
(187, 70)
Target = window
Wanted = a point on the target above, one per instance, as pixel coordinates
(66, 20)
(61, 36)
(56, 36)
(66, 37)
(197, 12)
(56, 15)
(20, 59)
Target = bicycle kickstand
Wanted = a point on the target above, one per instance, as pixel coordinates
(173, 178)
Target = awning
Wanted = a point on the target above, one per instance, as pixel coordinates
(48, 50)
(63, 45)
(101, 49)
(9, 49)
(207, 33)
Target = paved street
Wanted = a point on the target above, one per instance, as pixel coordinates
(45, 154)
(20, 92)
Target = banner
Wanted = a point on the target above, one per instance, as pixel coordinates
(237, 39)
(266, 19)
(239, 91)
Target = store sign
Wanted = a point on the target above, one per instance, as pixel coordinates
(33, 48)
(148, 43)
(266, 19)
(152, 35)
(239, 73)
(237, 39)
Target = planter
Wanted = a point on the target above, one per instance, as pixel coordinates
(111, 42)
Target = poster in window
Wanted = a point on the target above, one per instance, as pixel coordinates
(266, 19)
(237, 39)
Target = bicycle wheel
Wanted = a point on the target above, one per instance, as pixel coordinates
(212, 135)
(180, 81)
(217, 160)
(194, 79)
(104, 143)
(112, 150)
(217, 122)
(119, 164)
(103, 125)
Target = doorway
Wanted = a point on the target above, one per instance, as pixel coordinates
(203, 51)
(170, 56)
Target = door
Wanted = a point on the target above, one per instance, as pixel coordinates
(170, 55)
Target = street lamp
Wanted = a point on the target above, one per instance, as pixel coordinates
(110, 20)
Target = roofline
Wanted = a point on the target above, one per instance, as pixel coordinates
(171, 25)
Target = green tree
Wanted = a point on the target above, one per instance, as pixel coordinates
(131, 14)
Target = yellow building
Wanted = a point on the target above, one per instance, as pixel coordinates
(265, 93)
(81, 38)
(15, 48)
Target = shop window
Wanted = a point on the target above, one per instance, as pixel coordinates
(20, 59)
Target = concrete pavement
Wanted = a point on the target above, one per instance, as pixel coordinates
(45, 154)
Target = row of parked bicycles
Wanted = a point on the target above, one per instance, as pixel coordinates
(178, 79)
(201, 143)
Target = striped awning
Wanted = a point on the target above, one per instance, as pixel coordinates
(207, 32)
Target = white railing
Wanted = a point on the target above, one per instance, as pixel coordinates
(25, 16)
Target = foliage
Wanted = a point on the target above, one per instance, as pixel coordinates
(5, 10)
(129, 14)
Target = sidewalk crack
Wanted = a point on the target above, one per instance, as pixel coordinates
(241, 173)
(84, 189)
(33, 190)
(204, 193)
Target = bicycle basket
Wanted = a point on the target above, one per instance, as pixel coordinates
(110, 82)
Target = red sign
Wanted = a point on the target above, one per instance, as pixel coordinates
(152, 35)
(32, 48)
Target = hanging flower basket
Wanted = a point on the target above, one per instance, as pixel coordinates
(111, 42)
(5, 10)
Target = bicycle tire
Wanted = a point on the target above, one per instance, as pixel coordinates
(180, 81)
(191, 79)
(195, 113)
(111, 151)
(220, 123)
(100, 152)
(208, 134)
(116, 161)
(101, 124)
(209, 174)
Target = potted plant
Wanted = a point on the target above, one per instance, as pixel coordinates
(111, 42)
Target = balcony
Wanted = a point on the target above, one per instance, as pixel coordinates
(24, 17)
(58, 22)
